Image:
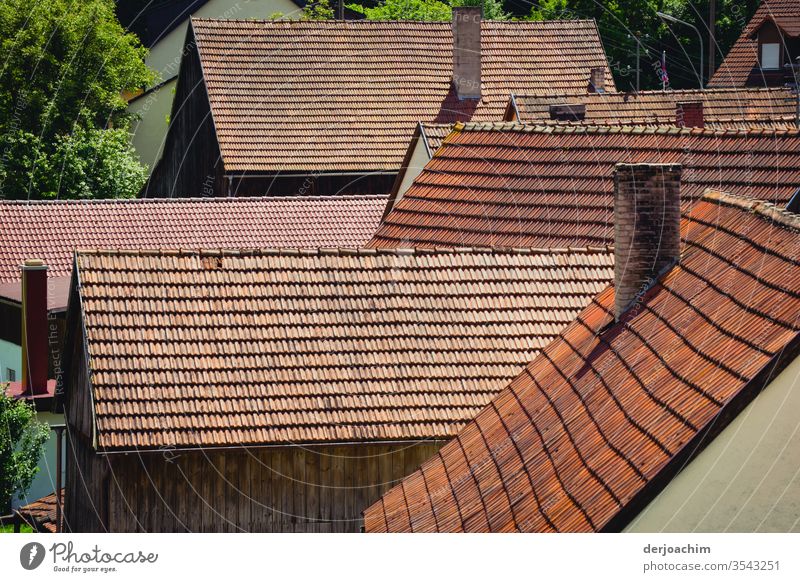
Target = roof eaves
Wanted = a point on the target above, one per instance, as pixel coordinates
(695, 445)
(342, 251)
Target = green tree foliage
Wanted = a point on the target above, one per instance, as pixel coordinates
(87, 163)
(621, 22)
(427, 9)
(22, 440)
(65, 66)
(318, 10)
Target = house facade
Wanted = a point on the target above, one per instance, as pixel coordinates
(51, 231)
(162, 29)
(641, 409)
(766, 53)
(333, 106)
(287, 390)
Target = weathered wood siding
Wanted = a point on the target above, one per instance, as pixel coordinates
(76, 386)
(191, 165)
(86, 488)
(285, 489)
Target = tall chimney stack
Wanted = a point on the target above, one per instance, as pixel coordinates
(597, 80)
(647, 214)
(34, 327)
(689, 114)
(467, 51)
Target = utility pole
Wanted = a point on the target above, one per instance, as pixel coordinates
(712, 44)
(671, 18)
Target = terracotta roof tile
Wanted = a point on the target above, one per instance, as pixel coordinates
(434, 134)
(722, 108)
(517, 185)
(308, 96)
(52, 230)
(609, 412)
(742, 59)
(204, 349)
(41, 514)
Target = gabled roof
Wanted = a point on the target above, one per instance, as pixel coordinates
(516, 185)
(347, 95)
(278, 347)
(434, 134)
(722, 108)
(52, 230)
(743, 56)
(603, 418)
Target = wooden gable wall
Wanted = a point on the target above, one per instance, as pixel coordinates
(191, 165)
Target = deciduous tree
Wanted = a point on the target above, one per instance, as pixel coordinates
(66, 67)
(22, 440)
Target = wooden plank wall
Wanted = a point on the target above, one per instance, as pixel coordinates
(78, 400)
(85, 498)
(286, 489)
(191, 165)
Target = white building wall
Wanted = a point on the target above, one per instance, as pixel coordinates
(418, 161)
(10, 358)
(747, 479)
(44, 483)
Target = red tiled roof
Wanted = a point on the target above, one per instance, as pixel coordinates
(519, 185)
(52, 230)
(722, 108)
(434, 134)
(743, 56)
(609, 412)
(316, 346)
(41, 514)
(347, 95)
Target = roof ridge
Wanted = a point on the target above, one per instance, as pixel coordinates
(766, 210)
(366, 22)
(345, 251)
(196, 199)
(539, 127)
(648, 92)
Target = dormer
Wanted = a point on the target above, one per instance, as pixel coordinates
(778, 45)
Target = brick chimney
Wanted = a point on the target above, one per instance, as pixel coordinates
(689, 114)
(467, 51)
(647, 214)
(34, 327)
(597, 80)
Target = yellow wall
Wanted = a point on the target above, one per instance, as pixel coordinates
(747, 479)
